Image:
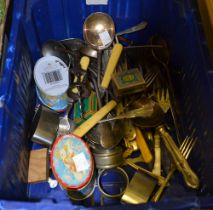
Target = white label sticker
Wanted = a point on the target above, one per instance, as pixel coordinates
(81, 162)
(51, 75)
(96, 2)
(105, 38)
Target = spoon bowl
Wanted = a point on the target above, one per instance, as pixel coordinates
(55, 48)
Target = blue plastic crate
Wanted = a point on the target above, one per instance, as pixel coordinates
(34, 22)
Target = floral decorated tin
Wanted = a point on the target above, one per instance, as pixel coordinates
(73, 166)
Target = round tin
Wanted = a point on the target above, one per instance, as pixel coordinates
(52, 80)
(73, 166)
(108, 158)
(58, 103)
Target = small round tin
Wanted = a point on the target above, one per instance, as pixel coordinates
(73, 166)
(108, 158)
(58, 103)
(52, 80)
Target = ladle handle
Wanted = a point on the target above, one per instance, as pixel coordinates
(144, 149)
(181, 163)
(157, 164)
(141, 112)
(92, 121)
(84, 62)
(136, 28)
(112, 63)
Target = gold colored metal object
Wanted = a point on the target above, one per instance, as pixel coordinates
(102, 200)
(99, 30)
(119, 109)
(149, 136)
(139, 189)
(131, 144)
(185, 148)
(154, 119)
(181, 163)
(157, 164)
(160, 179)
(135, 160)
(93, 200)
(131, 147)
(129, 138)
(190, 177)
(162, 97)
(145, 111)
(163, 57)
(129, 131)
(127, 152)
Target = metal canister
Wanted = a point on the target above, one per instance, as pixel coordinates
(73, 166)
(56, 103)
(52, 80)
(108, 158)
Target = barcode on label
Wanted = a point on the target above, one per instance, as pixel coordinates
(52, 77)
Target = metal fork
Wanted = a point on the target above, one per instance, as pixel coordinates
(185, 148)
(149, 78)
(162, 97)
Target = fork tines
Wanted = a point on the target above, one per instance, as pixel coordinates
(149, 78)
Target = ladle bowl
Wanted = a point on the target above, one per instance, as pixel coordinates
(99, 30)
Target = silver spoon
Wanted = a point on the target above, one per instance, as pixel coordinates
(88, 51)
(65, 124)
(53, 47)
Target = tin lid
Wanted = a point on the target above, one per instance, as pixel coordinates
(51, 75)
(71, 162)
